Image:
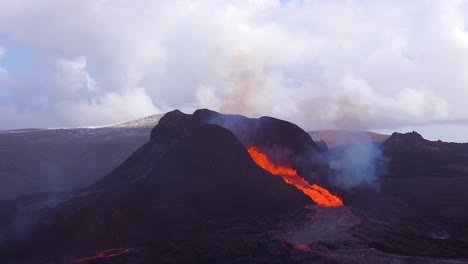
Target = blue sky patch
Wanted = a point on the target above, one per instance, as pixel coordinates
(18, 58)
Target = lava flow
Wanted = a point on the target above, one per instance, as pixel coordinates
(109, 253)
(318, 194)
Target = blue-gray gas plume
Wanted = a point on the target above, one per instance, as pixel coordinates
(360, 165)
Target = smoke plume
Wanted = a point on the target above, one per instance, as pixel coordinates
(320, 64)
(358, 165)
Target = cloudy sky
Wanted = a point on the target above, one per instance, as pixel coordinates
(339, 64)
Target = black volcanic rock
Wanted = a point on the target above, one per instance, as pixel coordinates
(189, 172)
(280, 139)
(284, 142)
(422, 195)
(409, 140)
(265, 132)
(211, 170)
(413, 156)
(193, 195)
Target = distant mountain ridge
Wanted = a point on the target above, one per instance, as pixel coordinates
(39, 160)
(136, 126)
(335, 138)
(414, 156)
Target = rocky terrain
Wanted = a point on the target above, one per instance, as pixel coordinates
(189, 175)
(192, 194)
(419, 208)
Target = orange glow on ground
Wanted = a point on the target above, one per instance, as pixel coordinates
(109, 253)
(318, 194)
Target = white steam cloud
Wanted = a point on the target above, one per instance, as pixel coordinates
(322, 64)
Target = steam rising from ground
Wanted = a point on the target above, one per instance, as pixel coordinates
(321, 64)
(358, 165)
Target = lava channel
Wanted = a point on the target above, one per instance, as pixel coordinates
(318, 194)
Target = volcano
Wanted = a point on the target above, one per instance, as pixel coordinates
(192, 172)
(215, 188)
(284, 142)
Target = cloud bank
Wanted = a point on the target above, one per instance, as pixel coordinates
(323, 64)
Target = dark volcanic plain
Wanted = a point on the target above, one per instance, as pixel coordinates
(192, 194)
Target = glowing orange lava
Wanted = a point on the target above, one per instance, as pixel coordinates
(318, 194)
(109, 253)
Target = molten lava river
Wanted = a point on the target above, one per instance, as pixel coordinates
(318, 194)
